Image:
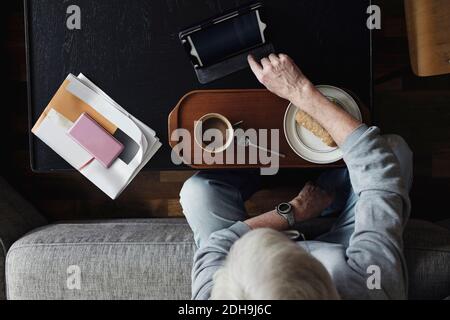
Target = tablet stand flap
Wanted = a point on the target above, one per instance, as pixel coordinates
(231, 65)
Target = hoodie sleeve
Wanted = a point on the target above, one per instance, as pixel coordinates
(381, 212)
(211, 257)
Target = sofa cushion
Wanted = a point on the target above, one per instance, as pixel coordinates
(427, 252)
(145, 259)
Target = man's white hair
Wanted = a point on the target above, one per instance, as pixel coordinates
(267, 265)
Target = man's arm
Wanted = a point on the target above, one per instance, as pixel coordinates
(211, 257)
(308, 204)
(380, 214)
(281, 76)
(383, 206)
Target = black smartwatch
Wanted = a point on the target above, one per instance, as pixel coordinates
(287, 212)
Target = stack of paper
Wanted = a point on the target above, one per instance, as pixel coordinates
(79, 95)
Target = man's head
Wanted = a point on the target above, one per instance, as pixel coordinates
(266, 265)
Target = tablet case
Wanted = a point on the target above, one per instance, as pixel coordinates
(233, 64)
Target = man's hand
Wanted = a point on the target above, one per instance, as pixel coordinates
(280, 75)
(310, 202)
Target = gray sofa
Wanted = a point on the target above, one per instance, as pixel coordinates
(151, 259)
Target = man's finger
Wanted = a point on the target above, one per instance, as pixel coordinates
(255, 66)
(266, 63)
(274, 59)
(284, 57)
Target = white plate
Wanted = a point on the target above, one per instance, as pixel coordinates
(307, 145)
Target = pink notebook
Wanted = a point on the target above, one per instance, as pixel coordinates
(96, 140)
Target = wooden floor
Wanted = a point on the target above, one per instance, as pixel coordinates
(416, 108)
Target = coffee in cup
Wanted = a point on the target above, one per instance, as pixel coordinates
(213, 133)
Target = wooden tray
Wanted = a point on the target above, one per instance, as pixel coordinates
(259, 109)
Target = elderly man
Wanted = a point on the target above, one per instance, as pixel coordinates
(361, 257)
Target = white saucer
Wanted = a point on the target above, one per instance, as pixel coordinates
(307, 145)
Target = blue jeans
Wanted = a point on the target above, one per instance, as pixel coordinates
(214, 201)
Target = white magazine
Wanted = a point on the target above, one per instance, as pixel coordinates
(52, 130)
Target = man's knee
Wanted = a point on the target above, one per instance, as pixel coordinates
(194, 198)
(192, 188)
(198, 192)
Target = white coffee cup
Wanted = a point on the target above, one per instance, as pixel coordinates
(220, 124)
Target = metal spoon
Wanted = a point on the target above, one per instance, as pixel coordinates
(245, 142)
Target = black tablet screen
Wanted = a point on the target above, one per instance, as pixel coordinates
(227, 38)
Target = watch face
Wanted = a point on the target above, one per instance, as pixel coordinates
(284, 208)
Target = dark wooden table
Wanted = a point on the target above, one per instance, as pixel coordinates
(131, 50)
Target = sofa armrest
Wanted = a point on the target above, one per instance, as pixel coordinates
(17, 217)
(445, 224)
(427, 252)
(141, 259)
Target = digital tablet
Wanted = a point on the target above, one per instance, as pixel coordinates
(226, 36)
